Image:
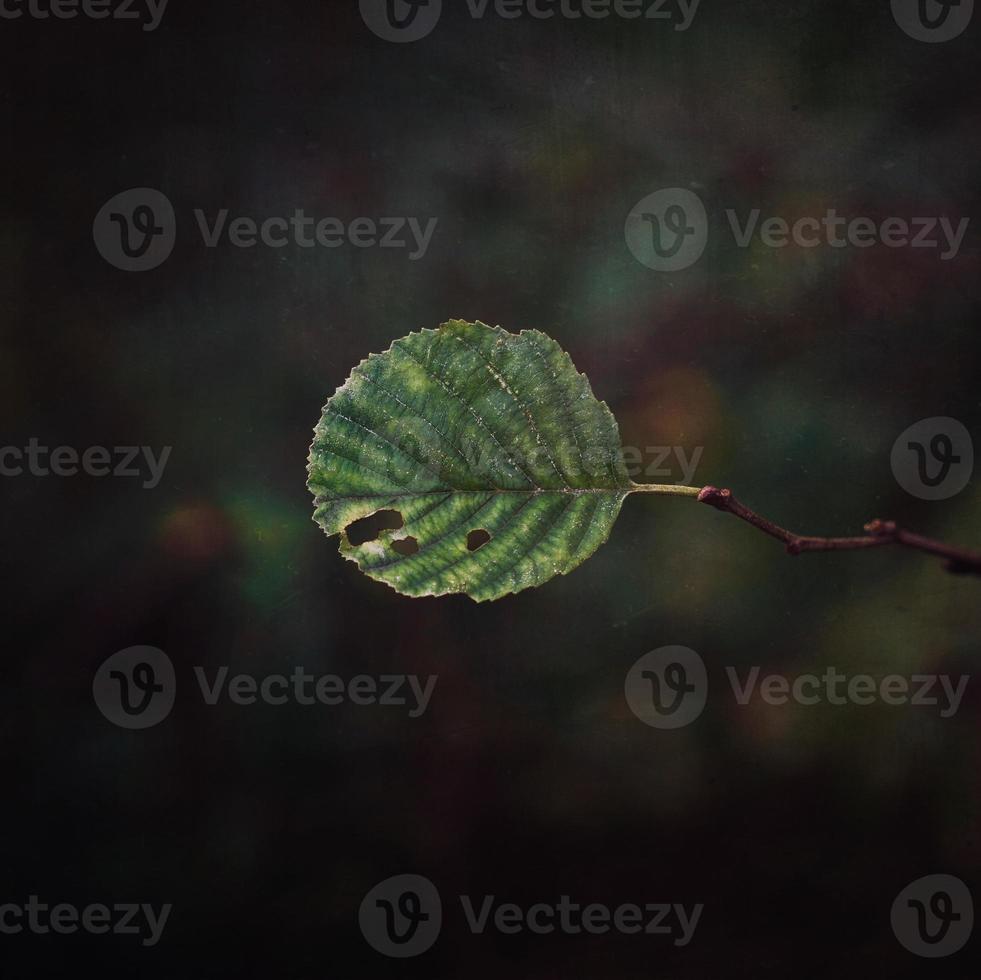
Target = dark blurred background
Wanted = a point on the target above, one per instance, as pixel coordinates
(528, 777)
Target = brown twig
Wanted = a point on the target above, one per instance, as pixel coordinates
(960, 561)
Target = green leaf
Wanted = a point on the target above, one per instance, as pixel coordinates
(462, 429)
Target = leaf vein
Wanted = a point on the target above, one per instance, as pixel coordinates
(432, 375)
(502, 381)
(379, 436)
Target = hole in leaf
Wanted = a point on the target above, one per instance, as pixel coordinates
(477, 539)
(405, 546)
(368, 528)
